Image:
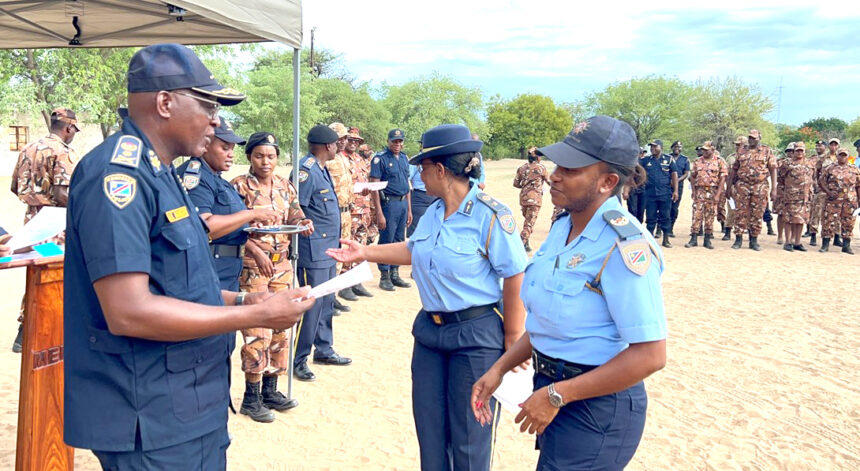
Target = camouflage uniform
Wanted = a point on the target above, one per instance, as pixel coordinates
(530, 179)
(265, 350)
(556, 212)
(361, 207)
(794, 178)
(41, 166)
(341, 176)
(705, 176)
(779, 201)
(820, 162)
(372, 230)
(751, 188)
(844, 180)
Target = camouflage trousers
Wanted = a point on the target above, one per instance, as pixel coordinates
(795, 212)
(361, 225)
(816, 211)
(530, 213)
(345, 233)
(266, 351)
(704, 210)
(838, 218)
(750, 200)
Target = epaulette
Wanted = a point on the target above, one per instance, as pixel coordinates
(309, 163)
(127, 152)
(503, 213)
(621, 224)
(636, 252)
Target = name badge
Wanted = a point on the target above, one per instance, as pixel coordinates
(177, 214)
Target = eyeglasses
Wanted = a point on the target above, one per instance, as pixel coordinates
(212, 108)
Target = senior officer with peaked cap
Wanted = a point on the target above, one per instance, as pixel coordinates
(466, 258)
(147, 334)
(596, 325)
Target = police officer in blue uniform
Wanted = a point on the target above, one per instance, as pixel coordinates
(319, 203)
(392, 166)
(466, 258)
(596, 324)
(146, 334)
(682, 165)
(661, 189)
(420, 200)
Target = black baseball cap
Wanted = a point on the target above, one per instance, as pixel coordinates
(171, 66)
(597, 139)
(262, 139)
(224, 131)
(322, 134)
(676, 143)
(396, 134)
(656, 142)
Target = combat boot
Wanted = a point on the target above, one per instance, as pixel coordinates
(846, 246)
(707, 244)
(347, 294)
(18, 344)
(385, 282)
(360, 290)
(739, 240)
(837, 241)
(754, 244)
(770, 228)
(728, 234)
(252, 404)
(788, 247)
(693, 241)
(397, 281)
(666, 242)
(274, 399)
(825, 244)
(812, 240)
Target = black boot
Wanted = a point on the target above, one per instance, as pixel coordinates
(807, 233)
(385, 282)
(347, 294)
(397, 281)
(788, 247)
(693, 241)
(812, 240)
(846, 246)
(754, 244)
(360, 290)
(18, 344)
(666, 242)
(825, 244)
(658, 233)
(799, 248)
(252, 404)
(527, 247)
(728, 234)
(707, 244)
(672, 230)
(274, 399)
(739, 240)
(770, 228)
(339, 306)
(722, 226)
(837, 241)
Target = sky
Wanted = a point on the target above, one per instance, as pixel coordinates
(808, 51)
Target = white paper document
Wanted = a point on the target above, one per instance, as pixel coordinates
(731, 202)
(359, 274)
(372, 186)
(48, 222)
(516, 387)
(856, 212)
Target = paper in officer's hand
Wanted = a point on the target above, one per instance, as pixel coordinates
(48, 222)
(358, 274)
(731, 202)
(516, 387)
(372, 186)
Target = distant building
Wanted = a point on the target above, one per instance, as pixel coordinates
(24, 129)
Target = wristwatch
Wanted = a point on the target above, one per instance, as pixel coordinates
(554, 397)
(240, 298)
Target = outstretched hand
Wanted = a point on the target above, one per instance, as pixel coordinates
(350, 251)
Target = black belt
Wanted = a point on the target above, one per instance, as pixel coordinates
(442, 318)
(398, 198)
(221, 250)
(344, 209)
(549, 366)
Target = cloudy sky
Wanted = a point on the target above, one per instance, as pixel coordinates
(566, 49)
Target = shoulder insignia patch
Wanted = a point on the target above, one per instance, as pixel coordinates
(636, 255)
(127, 152)
(303, 176)
(190, 181)
(507, 223)
(194, 166)
(376, 160)
(621, 224)
(309, 163)
(120, 189)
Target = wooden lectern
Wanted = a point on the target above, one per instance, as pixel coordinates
(40, 397)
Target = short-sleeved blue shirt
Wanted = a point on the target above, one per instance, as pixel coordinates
(393, 169)
(415, 178)
(319, 203)
(214, 195)
(451, 263)
(565, 319)
(127, 213)
(659, 170)
(682, 164)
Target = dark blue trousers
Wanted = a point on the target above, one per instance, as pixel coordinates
(597, 434)
(658, 212)
(315, 328)
(206, 452)
(420, 201)
(395, 225)
(676, 205)
(636, 205)
(446, 362)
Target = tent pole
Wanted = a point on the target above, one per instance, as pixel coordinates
(297, 54)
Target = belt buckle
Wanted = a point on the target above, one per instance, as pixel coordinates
(241, 251)
(276, 256)
(437, 319)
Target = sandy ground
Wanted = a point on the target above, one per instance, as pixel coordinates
(762, 371)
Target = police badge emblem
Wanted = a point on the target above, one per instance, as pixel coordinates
(636, 256)
(120, 189)
(303, 176)
(508, 224)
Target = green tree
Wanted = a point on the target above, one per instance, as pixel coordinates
(338, 101)
(527, 120)
(852, 131)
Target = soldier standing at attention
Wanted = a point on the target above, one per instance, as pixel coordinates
(841, 183)
(795, 179)
(530, 179)
(779, 201)
(661, 189)
(708, 176)
(341, 176)
(748, 184)
(725, 214)
(360, 208)
(367, 154)
(683, 165)
(818, 198)
(42, 173)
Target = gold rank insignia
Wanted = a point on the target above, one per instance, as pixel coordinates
(575, 260)
(177, 214)
(153, 160)
(120, 189)
(636, 255)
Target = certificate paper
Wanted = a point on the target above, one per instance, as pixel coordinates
(359, 274)
(361, 186)
(516, 387)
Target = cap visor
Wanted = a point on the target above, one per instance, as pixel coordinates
(567, 156)
(223, 95)
(231, 138)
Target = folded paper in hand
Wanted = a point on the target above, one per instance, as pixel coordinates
(516, 387)
(359, 274)
(372, 186)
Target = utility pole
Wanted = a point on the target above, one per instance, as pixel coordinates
(313, 68)
(778, 100)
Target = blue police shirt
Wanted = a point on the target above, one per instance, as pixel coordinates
(214, 195)
(319, 203)
(565, 319)
(393, 169)
(415, 178)
(451, 263)
(659, 170)
(682, 164)
(128, 212)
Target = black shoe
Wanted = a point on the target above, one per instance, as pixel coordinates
(303, 373)
(825, 244)
(274, 399)
(754, 244)
(385, 282)
(666, 242)
(18, 344)
(658, 233)
(333, 359)
(252, 404)
(788, 248)
(339, 306)
(707, 244)
(837, 241)
(812, 241)
(739, 240)
(397, 281)
(672, 233)
(527, 247)
(693, 241)
(360, 290)
(347, 294)
(799, 248)
(728, 234)
(846, 246)
(770, 228)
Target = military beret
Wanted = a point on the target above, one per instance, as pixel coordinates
(322, 134)
(262, 139)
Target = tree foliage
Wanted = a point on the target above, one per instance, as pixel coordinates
(527, 120)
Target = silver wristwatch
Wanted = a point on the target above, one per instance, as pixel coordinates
(554, 397)
(240, 298)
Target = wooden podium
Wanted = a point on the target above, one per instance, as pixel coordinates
(40, 397)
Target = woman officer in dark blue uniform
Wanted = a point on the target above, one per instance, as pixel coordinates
(596, 325)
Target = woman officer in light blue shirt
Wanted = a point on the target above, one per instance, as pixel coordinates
(596, 324)
(462, 249)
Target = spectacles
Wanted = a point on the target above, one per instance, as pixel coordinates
(212, 108)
